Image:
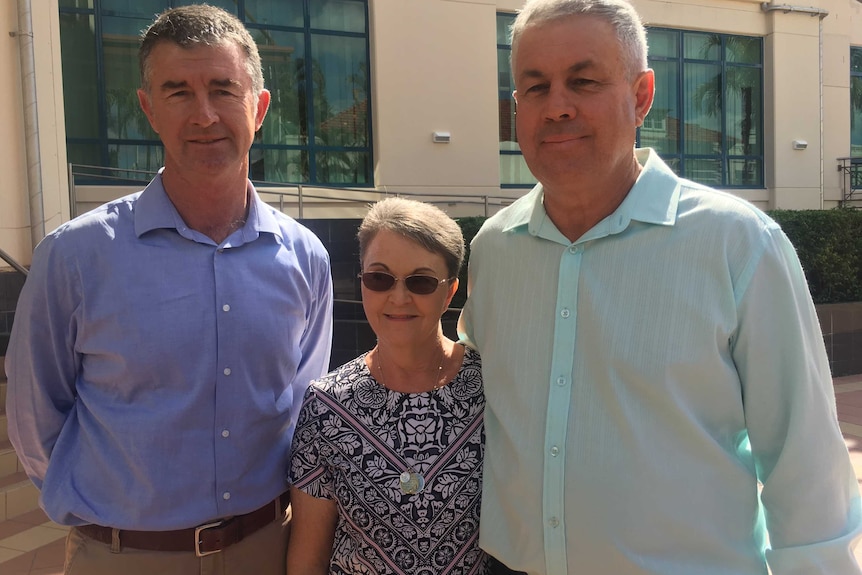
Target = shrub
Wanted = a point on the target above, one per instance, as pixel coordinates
(829, 245)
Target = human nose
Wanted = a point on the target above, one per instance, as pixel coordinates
(399, 293)
(204, 113)
(560, 104)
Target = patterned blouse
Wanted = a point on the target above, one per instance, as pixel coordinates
(354, 440)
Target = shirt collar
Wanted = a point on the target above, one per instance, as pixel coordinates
(154, 210)
(653, 200)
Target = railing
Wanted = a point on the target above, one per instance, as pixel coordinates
(851, 180)
(295, 194)
(10, 286)
(11, 261)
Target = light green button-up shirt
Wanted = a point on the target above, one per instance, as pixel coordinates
(642, 380)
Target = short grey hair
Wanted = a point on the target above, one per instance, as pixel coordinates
(423, 223)
(199, 25)
(620, 14)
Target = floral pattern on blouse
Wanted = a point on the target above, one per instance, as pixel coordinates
(353, 440)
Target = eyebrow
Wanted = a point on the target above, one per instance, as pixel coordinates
(218, 83)
(573, 69)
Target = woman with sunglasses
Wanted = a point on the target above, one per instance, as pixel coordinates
(386, 463)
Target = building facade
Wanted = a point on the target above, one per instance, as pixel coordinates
(395, 97)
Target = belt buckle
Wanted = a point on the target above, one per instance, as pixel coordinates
(198, 531)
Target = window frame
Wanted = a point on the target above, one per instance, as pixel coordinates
(314, 149)
(855, 60)
(678, 159)
(506, 94)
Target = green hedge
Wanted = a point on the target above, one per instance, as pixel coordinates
(829, 244)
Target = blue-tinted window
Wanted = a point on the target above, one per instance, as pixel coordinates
(315, 62)
(707, 117)
(855, 101)
(513, 169)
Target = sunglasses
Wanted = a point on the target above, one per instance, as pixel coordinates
(418, 284)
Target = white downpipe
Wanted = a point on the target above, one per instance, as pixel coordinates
(821, 14)
(31, 121)
(820, 70)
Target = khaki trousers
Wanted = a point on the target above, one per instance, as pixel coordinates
(262, 553)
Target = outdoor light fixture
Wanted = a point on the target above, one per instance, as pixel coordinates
(441, 137)
(799, 144)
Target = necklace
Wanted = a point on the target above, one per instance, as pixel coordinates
(410, 481)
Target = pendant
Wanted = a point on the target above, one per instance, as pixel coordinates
(411, 482)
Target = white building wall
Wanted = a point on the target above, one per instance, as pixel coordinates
(434, 70)
(15, 236)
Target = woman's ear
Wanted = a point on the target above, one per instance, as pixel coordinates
(453, 289)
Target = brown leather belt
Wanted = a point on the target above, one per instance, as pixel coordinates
(204, 539)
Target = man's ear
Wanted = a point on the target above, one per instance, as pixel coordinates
(644, 90)
(262, 106)
(144, 101)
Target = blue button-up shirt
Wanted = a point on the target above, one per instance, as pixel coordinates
(155, 377)
(643, 379)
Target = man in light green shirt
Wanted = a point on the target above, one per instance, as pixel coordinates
(651, 354)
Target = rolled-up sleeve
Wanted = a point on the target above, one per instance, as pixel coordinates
(809, 490)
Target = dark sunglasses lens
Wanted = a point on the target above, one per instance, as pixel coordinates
(378, 281)
(421, 285)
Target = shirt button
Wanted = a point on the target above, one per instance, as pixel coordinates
(561, 381)
(554, 522)
(225, 433)
(555, 451)
(225, 307)
(573, 249)
(227, 371)
(565, 313)
(220, 250)
(225, 495)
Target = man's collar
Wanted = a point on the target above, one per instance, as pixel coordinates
(154, 210)
(652, 200)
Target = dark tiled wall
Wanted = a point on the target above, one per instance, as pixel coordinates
(10, 286)
(841, 324)
(351, 333)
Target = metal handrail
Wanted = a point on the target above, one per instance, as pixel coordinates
(11, 261)
(297, 191)
(851, 179)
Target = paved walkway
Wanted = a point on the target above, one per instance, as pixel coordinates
(32, 545)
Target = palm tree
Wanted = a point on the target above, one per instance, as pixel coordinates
(712, 95)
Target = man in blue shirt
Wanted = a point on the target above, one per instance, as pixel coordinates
(651, 354)
(163, 342)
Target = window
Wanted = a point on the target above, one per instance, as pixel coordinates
(855, 101)
(315, 63)
(707, 118)
(513, 170)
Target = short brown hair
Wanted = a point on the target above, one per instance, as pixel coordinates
(195, 25)
(423, 223)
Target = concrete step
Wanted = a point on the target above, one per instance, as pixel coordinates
(4, 431)
(18, 495)
(9, 464)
